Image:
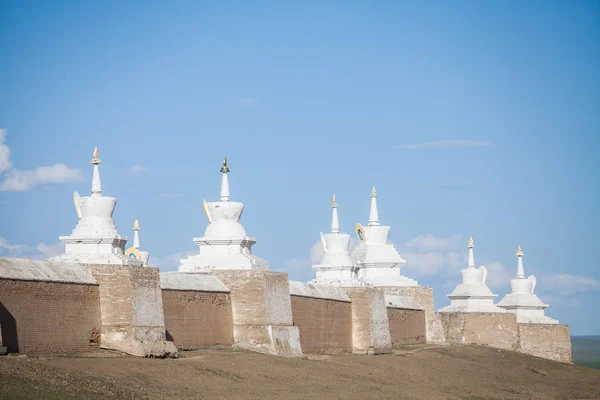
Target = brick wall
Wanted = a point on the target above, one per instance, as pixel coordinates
(550, 341)
(195, 319)
(406, 326)
(423, 296)
(490, 329)
(42, 317)
(325, 325)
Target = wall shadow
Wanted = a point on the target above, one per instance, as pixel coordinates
(8, 330)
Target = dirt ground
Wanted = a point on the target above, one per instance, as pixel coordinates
(449, 372)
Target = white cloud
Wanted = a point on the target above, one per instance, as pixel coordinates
(52, 250)
(172, 261)
(16, 180)
(498, 276)
(428, 255)
(136, 169)
(566, 285)
(298, 264)
(11, 249)
(446, 144)
(428, 242)
(246, 102)
(5, 162)
(40, 252)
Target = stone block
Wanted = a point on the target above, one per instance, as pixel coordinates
(551, 341)
(424, 297)
(131, 310)
(262, 311)
(370, 326)
(489, 329)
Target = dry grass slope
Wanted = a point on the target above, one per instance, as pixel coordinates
(419, 372)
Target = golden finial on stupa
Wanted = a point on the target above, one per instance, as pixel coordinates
(334, 203)
(95, 160)
(224, 169)
(136, 225)
(373, 192)
(519, 251)
(471, 245)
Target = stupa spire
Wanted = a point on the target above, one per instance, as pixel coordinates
(471, 256)
(136, 236)
(96, 185)
(335, 222)
(520, 270)
(373, 214)
(225, 182)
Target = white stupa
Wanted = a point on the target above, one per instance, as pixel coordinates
(472, 295)
(135, 252)
(95, 239)
(225, 244)
(522, 301)
(378, 261)
(336, 267)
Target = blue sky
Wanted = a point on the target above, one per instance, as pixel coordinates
(501, 100)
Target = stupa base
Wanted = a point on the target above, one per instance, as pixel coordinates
(199, 263)
(105, 259)
(386, 282)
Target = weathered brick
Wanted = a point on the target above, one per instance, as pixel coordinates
(44, 317)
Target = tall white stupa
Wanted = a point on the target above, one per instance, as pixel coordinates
(378, 261)
(225, 244)
(336, 267)
(135, 252)
(472, 295)
(95, 239)
(523, 301)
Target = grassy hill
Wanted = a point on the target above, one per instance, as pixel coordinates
(425, 372)
(586, 350)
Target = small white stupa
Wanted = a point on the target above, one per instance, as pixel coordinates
(135, 252)
(95, 239)
(225, 244)
(336, 268)
(472, 295)
(378, 261)
(522, 301)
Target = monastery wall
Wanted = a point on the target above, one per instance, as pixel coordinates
(262, 311)
(131, 310)
(552, 341)
(490, 329)
(47, 307)
(197, 310)
(424, 298)
(406, 326)
(370, 325)
(323, 315)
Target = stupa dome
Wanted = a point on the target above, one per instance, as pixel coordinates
(225, 228)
